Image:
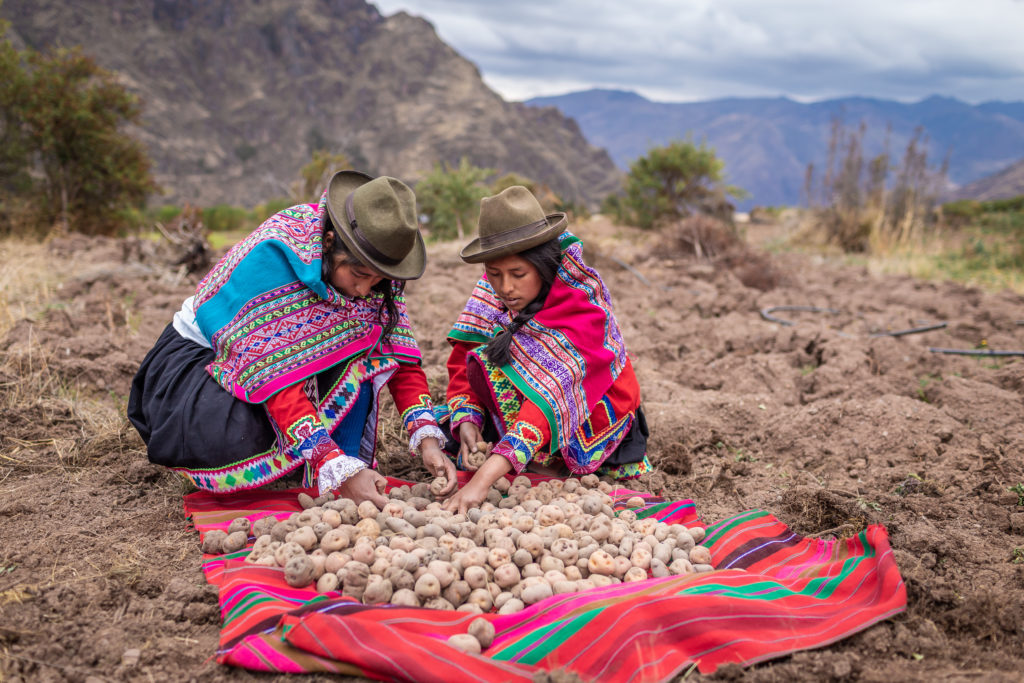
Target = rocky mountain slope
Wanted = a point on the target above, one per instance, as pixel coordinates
(237, 95)
(1002, 185)
(766, 143)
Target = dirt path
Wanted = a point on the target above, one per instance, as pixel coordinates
(822, 423)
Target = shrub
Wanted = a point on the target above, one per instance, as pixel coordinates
(673, 182)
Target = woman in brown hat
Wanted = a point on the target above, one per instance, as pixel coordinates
(278, 360)
(538, 367)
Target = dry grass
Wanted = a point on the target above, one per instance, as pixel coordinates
(28, 280)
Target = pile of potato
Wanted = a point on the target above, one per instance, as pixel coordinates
(525, 544)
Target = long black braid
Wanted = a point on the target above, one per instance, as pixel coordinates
(546, 258)
(339, 255)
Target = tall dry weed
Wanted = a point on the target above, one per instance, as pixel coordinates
(28, 279)
(872, 204)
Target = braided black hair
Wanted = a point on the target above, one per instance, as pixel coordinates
(546, 258)
(339, 255)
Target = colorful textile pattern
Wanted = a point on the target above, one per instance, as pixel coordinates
(462, 408)
(772, 593)
(556, 361)
(252, 473)
(273, 322)
(596, 437)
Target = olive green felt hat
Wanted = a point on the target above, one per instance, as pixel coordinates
(510, 222)
(376, 219)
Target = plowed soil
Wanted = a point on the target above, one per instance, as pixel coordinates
(831, 423)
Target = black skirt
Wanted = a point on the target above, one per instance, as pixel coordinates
(188, 420)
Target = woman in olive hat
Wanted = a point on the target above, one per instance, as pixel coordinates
(538, 366)
(278, 360)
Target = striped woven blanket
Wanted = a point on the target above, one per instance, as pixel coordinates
(772, 593)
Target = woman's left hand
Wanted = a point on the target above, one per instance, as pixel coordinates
(439, 465)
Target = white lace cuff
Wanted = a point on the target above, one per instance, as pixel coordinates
(425, 432)
(334, 472)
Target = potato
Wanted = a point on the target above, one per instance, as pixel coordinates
(696, 533)
(286, 551)
(438, 603)
(327, 583)
(457, 592)
(405, 598)
(641, 557)
(475, 460)
(635, 574)
(700, 555)
(378, 590)
(443, 571)
(438, 485)
(601, 562)
(304, 536)
(497, 557)
(481, 597)
(368, 527)
(213, 541)
(475, 576)
(298, 571)
(483, 631)
(536, 593)
(465, 642)
(512, 606)
(507, 575)
(334, 540)
(240, 524)
(427, 586)
(306, 501)
(263, 525)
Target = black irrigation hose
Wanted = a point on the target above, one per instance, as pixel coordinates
(912, 330)
(975, 352)
(766, 313)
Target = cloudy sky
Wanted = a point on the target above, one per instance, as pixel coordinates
(685, 50)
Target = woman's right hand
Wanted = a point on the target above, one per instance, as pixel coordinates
(469, 437)
(364, 485)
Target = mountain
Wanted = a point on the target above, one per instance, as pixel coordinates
(767, 143)
(1002, 185)
(237, 95)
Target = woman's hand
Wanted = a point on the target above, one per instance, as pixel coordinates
(470, 496)
(469, 437)
(365, 485)
(475, 491)
(438, 464)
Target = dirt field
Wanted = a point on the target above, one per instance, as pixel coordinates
(821, 423)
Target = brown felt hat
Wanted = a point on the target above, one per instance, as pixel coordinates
(376, 219)
(510, 222)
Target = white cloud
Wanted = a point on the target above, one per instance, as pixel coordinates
(700, 49)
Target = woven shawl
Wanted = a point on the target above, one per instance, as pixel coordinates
(271, 319)
(567, 356)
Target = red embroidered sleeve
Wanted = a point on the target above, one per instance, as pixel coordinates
(462, 402)
(300, 429)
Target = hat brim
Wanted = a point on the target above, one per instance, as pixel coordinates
(341, 186)
(473, 253)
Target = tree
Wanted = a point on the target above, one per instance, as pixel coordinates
(450, 197)
(64, 150)
(14, 155)
(674, 182)
(317, 173)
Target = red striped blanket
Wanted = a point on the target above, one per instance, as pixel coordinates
(772, 593)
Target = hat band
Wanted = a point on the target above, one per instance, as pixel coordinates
(501, 238)
(370, 250)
